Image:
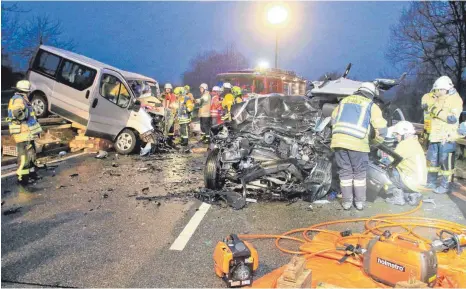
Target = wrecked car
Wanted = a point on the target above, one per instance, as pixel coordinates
(275, 144)
(328, 93)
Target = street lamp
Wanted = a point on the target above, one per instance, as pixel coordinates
(263, 64)
(277, 15)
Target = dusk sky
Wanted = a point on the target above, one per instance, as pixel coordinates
(159, 38)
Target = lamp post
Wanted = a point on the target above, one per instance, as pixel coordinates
(277, 15)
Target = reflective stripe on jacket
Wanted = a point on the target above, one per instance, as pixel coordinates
(186, 106)
(443, 107)
(352, 121)
(353, 116)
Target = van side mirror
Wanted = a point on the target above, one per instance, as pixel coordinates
(136, 105)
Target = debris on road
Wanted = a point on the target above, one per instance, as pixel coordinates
(231, 198)
(115, 165)
(60, 187)
(145, 190)
(145, 151)
(74, 175)
(321, 202)
(12, 211)
(62, 154)
(101, 155)
(249, 200)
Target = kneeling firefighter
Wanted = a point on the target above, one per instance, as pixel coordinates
(409, 177)
(24, 128)
(445, 113)
(352, 120)
(185, 107)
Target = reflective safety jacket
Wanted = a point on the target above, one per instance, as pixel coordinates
(216, 108)
(450, 105)
(204, 102)
(26, 129)
(185, 107)
(352, 120)
(227, 103)
(413, 167)
(428, 99)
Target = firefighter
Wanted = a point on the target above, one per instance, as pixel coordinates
(204, 112)
(237, 93)
(184, 108)
(216, 106)
(444, 113)
(169, 102)
(227, 101)
(426, 101)
(410, 175)
(24, 128)
(187, 90)
(352, 120)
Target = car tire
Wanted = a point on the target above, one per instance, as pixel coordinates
(126, 142)
(212, 178)
(40, 105)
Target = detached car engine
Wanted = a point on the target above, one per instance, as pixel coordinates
(274, 144)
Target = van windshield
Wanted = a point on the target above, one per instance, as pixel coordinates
(143, 88)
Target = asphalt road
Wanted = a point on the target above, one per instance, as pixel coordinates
(89, 230)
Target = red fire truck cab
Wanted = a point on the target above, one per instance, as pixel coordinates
(265, 81)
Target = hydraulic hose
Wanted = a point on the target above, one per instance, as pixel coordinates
(373, 227)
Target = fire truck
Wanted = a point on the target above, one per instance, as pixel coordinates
(265, 81)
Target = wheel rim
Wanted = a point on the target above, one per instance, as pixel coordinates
(124, 141)
(39, 106)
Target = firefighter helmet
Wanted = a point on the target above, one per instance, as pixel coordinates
(23, 86)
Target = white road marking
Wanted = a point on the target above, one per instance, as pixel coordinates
(51, 162)
(190, 228)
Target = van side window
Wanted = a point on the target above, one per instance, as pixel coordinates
(76, 75)
(115, 91)
(46, 62)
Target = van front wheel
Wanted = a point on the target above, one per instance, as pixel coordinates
(39, 104)
(126, 142)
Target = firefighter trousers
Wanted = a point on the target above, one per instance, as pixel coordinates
(184, 133)
(206, 123)
(441, 161)
(352, 169)
(26, 160)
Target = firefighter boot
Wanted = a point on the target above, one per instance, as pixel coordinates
(432, 180)
(360, 205)
(360, 193)
(414, 199)
(398, 197)
(347, 197)
(442, 189)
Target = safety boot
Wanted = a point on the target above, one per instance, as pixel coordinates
(359, 205)
(398, 197)
(431, 186)
(346, 205)
(442, 190)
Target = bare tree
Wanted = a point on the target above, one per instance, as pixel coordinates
(41, 30)
(205, 66)
(430, 40)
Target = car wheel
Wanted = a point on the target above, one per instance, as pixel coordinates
(126, 142)
(212, 177)
(39, 104)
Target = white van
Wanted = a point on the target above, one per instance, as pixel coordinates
(91, 93)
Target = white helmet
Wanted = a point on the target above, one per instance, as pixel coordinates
(215, 88)
(168, 85)
(443, 82)
(227, 85)
(403, 128)
(23, 85)
(370, 88)
(204, 85)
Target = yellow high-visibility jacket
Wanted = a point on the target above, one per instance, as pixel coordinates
(22, 130)
(413, 167)
(227, 103)
(442, 108)
(428, 99)
(352, 121)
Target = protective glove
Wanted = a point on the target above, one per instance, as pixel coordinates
(451, 119)
(424, 106)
